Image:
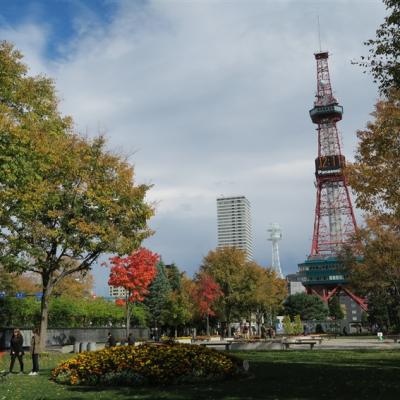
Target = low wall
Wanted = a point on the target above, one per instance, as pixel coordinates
(272, 344)
(66, 336)
(262, 345)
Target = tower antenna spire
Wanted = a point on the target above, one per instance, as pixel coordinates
(319, 33)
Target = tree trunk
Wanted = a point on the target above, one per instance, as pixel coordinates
(250, 327)
(258, 322)
(208, 324)
(128, 315)
(44, 313)
(228, 320)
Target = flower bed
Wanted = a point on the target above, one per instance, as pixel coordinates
(147, 364)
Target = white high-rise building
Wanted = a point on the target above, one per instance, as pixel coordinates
(117, 292)
(234, 224)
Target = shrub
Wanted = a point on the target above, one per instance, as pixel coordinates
(297, 325)
(287, 325)
(147, 364)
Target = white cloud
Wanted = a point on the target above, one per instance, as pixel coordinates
(212, 98)
(31, 40)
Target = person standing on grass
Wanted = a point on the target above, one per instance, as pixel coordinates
(111, 342)
(35, 351)
(131, 339)
(17, 350)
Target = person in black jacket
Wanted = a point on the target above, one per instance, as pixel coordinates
(17, 350)
(131, 339)
(111, 340)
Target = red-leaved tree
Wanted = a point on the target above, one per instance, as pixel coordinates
(207, 291)
(134, 273)
(120, 302)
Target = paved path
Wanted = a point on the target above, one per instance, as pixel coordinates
(354, 343)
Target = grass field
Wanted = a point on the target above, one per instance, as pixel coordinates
(278, 375)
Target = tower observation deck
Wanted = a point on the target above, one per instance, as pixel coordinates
(334, 221)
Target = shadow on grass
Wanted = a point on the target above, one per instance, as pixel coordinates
(279, 380)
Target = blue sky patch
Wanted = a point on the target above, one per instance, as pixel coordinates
(59, 17)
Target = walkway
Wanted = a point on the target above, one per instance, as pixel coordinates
(344, 343)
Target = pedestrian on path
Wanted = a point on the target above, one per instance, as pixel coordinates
(131, 339)
(35, 351)
(111, 342)
(17, 350)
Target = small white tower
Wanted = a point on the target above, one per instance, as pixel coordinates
(275, 236)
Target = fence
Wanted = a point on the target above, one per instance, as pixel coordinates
(66, 336)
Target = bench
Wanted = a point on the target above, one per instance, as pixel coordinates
(226, 345)
(396, 338)
(287, 344)
(330, 336)
(317, 338)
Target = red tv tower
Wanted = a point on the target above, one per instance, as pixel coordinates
(334, 221)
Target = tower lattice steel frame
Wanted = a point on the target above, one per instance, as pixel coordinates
(334, 221)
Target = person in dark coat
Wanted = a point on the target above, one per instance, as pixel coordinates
(17, 350)
(111, 340)
(35, 351)
(131, 339)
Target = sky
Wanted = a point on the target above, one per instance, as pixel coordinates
(206, 98)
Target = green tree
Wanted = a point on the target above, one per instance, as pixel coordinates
(377, 275)
(263, 293)
(251, 281)
(374, 175)
(174, 276)
(78, 285)
(287, 325)
(7, 283)
(268, 296)
(384, 310)
(309, 307)
(177, 310)
(297, 325)
(375, 179)
(335, 309)
(159, 291)
(64, 200)
(384, 50)
(19, 312)
(67, 312)
(101, 312)
(140, 315)
(228, 267)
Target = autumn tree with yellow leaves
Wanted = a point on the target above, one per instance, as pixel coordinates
(64, 199)
(247, 288)
(375, 178)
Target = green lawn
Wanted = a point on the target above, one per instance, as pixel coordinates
(275, 375)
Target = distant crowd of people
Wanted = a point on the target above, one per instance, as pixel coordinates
(244, 331)
(111, 341)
